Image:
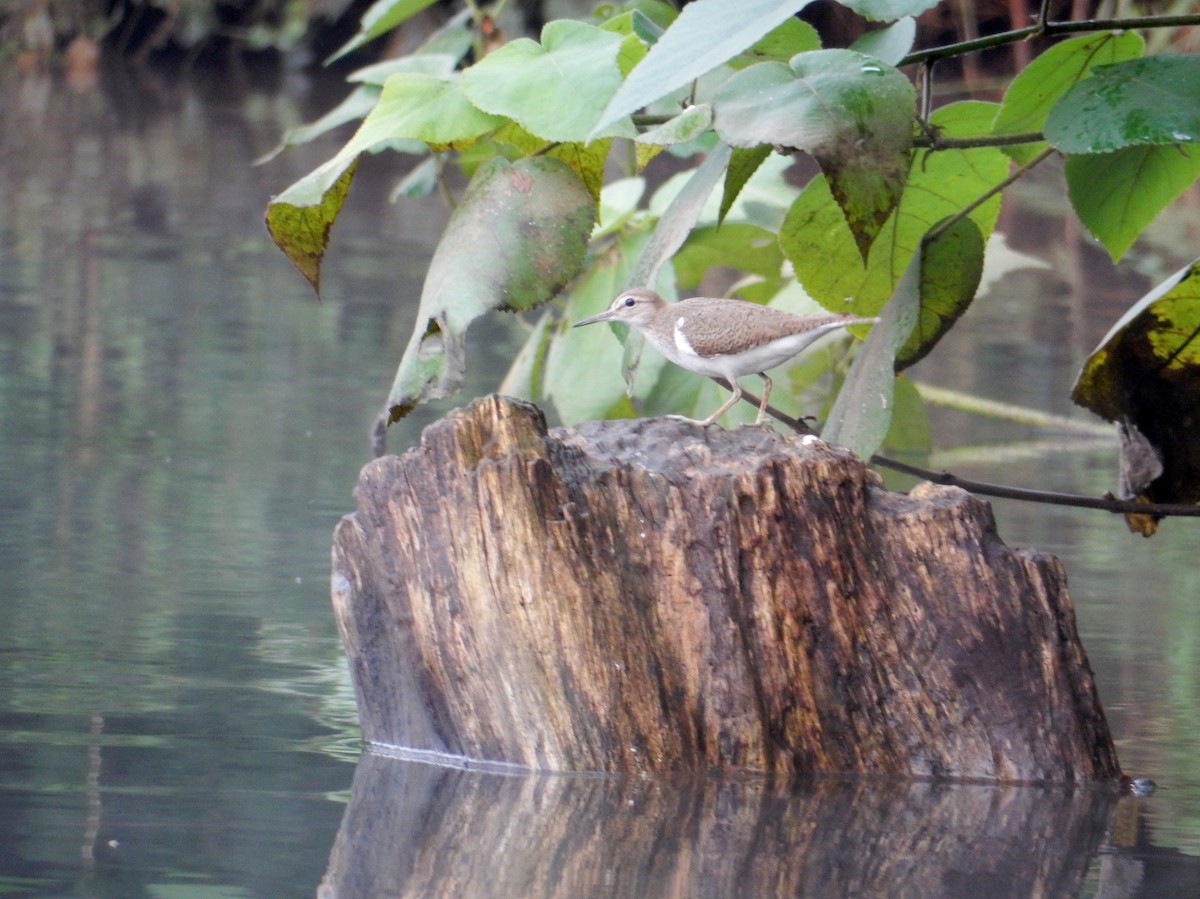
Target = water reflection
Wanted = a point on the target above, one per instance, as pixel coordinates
(414, 830)
(181, 424)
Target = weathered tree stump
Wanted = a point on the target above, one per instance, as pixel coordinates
(650, 595)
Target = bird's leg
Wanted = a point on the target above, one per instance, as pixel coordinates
(726, 406)
(762, 404)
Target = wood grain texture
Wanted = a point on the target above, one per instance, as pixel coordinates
(649, 596)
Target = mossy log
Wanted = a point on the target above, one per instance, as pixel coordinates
(651, 596)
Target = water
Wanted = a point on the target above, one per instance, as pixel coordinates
(181, 425)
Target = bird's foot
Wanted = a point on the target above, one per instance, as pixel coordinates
(703, 422)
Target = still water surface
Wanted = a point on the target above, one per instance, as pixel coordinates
(181, 425)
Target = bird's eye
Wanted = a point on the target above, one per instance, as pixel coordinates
(630, 301)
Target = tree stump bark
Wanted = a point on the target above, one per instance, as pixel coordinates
(645, 596)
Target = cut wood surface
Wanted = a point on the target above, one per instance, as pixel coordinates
(645, 596)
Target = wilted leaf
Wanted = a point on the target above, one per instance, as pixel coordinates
(1138, 182)
(519, 233)
(554, 89)
(1033, 93)
(1143, 101)
(850, 111)
(1145, 375)
(300, 224)
(706, 34)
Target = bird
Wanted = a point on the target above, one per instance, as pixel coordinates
(721, 338)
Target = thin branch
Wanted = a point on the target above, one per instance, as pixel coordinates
(1001, 491)
(934, 233)
(1049, 29)
(1047, 497)
(984, 140)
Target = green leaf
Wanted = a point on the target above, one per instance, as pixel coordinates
(437, 64)
(862, 412)
(908, 431)
(816, 239)
(1118, 194)
(425, 108)
(527, 374)
(743, 163)
(780, 44)
(891, 44)
(381, 18)
(888, 10)
(1033, 93)
(555, 89)
(483, 263)
(358, 104)
(737, 245)
(300, 219)
(419, 182)
(677, 221)
(951, 267)
(850, 111)
(1145, 375)
(706, 34)
(586, 161)
(1134, 103)
(686, 126)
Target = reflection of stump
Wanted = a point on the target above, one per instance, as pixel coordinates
(649, 595)
(416, 831)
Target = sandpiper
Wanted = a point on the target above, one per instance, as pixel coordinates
(722, 338)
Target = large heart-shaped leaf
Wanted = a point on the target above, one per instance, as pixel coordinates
(819, 244)
(555, 89)
(852, 112)
(485, 262)
(1138, 183)
(1033, 93)
(1143, 101)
